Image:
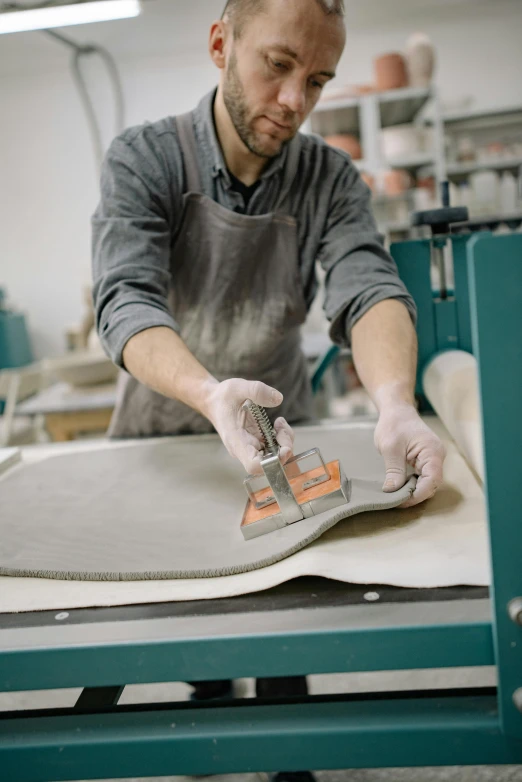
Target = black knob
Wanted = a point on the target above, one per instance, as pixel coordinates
(440, 220)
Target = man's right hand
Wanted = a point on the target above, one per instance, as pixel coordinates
(237, 428)
(159, 359)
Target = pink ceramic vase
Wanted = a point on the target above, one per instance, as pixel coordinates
(347, 143)
(390, 71)
(396, 182)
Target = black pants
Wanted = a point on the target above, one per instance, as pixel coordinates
(281, 687)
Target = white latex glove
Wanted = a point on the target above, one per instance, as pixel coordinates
(402, 438)
(238, 429)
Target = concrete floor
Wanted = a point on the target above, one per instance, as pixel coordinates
(318, 685)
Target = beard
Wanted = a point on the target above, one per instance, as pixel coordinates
(235, 101)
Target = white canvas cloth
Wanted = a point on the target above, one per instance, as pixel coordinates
(443, 542)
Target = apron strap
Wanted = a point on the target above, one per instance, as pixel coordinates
(187, 142)
(291, 165)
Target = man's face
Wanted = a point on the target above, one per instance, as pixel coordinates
(275, 71)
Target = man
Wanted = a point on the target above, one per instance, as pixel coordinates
(205, 242)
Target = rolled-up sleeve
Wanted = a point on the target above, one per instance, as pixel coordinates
(131, 238)
(359, 271)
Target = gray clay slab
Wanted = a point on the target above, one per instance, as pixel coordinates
(164, 509)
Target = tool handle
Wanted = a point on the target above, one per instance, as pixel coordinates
(266, 429)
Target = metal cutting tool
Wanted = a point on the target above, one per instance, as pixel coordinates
(286, 493)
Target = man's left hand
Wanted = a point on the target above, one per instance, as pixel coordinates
(402, 438)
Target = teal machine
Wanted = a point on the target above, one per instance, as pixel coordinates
(309, 626)
(15, 348)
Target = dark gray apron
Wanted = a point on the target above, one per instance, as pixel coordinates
(237, 296)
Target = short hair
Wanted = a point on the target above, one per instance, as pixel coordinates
(241, 11)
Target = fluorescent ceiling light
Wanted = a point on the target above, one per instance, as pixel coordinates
(65, 15)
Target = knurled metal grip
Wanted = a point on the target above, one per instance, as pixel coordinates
(266, 430)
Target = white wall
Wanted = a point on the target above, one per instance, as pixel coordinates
(48, 183)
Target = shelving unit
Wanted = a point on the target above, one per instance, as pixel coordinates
(488, 118)
(481, 127)
(512, 221)
(411, 163)
(462, 170)
(481, 133)
(366, 116)
(337, 116)
(398, 107)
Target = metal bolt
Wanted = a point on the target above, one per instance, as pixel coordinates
(515, 610)
(60, 617)
(517, 698)
(371, 596)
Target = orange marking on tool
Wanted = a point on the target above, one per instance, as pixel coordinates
(302, 495)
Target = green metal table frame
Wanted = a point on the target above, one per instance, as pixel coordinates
(98, 738)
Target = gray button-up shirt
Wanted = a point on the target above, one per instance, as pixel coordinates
(140, 211)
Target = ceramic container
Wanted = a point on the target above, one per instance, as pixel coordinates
(485, 192)
(508, 193)
(465, 149)
(347, 143)
(396, 182)
(402, 141)
(420, 60)
(422, 199)
(390, 71)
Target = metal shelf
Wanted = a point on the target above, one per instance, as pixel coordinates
(488, 222)
(412, 162)
(396, 107)
(383, 200)
(500, 164)
(365, 116)
(475, 120)
(399, 107)
(478, 121)
(337, 117)
(335, 105)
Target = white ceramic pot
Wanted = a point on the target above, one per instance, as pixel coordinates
(420, 60)
(402, 141)
(396, 182)
(485, 192)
